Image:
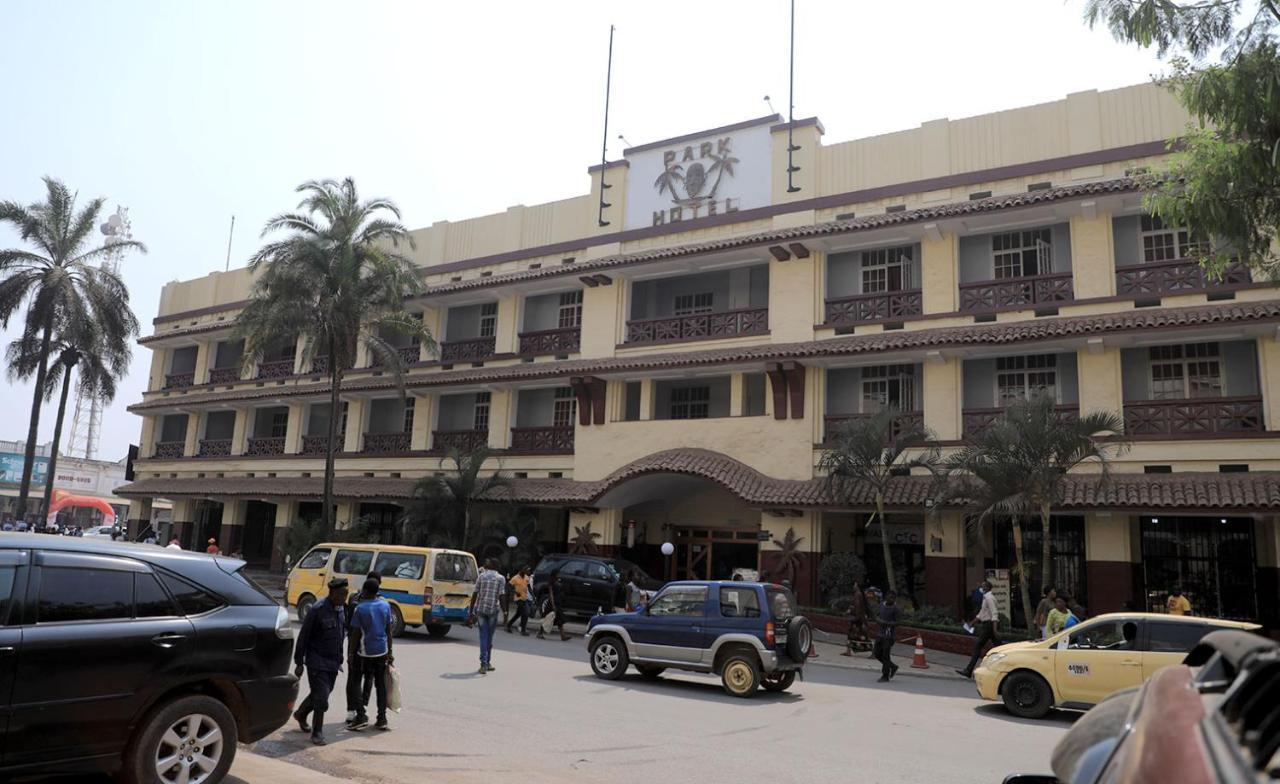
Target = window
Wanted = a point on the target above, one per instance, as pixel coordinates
(279, 423)
(1168, 243)
(353, 562)
(84, 594)
(1108, 636)
(691, 304)
(566, 407)
(342, 425)
(1021, 254)
(886, 269)
(408, 415)
(406, 566)
(149, 599)
(781, 603)
(574, 569)
(488, 319)
(888, 386)
(191, 599)
(480, 417)
(6, 591)
(1186, 371)
(416, 340)
(690, 402)
(455, 567)
(1165, 637)
(598, 571)
(1022, 377)
(570, 309)
(739, 603)
(316, 559)
(682, 601)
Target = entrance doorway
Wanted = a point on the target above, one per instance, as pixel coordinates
(259, 532)
(1210, 558)
(208, 524)
(713, 553)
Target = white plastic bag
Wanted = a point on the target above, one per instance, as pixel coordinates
(393, 688)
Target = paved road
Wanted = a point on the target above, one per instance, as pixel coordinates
(543, 716)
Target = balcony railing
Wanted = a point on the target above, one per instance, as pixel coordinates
(385, 443)
(462, 440)
(215, 447)
(1172, 277)
(904, 419)
(1197, 417)
(473, 350)
(1015, 292)
(551, 341)
(265, 446)
(975, 420)
(278, 368)
(543, 440)
(225, 375)
(179, 380)
(314, 445)
(169, 450)
(409, 355)
(726, 324)
(881, 306)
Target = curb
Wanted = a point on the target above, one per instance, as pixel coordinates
(254, 768)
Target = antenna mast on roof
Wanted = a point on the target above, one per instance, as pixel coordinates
(791, 109)
(230, 234)
(604, 145)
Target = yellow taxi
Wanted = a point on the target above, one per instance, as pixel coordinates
(426, 586)
(1078, 667)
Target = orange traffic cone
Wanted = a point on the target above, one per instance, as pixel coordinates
(918, 662)
(813, 650)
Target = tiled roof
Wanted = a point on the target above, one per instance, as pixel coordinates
(990, 334)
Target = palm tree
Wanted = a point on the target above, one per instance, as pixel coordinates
(866, 454)
(668, 179)
(723, 165)
(336, 280)
(100, 359)
(789, 555)
(443, 505)
(60, 282)
(1017, 467)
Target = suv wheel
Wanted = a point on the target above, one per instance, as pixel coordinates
(1026, 695)
(741, 675)
(192, 739)
(649, 671)
(305, 604)
(609, 658)
(437, 630)
(799, 638)
(779, 681)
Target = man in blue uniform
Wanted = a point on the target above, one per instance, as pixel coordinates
(319, 649)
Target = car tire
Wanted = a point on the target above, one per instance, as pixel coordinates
(305, 603)
(203, 722)
(779, 681)
(799, 638)
(740, 675)
(650, 672)
(609, 658)
(397, 622)
(1026, 695)
(438, 630)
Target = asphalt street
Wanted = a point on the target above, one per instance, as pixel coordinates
(543, 716)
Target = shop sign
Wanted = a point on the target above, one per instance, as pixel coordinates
(11, 468)
(700, 177)
(899, 533)
(999, 579)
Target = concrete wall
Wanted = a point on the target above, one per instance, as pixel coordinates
(976, 263)
(1126, 247)
(742, 287)
(457, 412)
(541, 312)
(536, 407)
(262, 419)
(844, 272)
(1239, 363)
(463, 323)
(386, 415)
(219, 425)
(173, 428)
(980, 382)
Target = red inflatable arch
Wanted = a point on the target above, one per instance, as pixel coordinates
(62, 499)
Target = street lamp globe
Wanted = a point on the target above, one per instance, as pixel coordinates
(512, 541)
(668, 548)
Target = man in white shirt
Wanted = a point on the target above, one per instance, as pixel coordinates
(986, 623)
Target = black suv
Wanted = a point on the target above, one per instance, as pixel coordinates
(135, 659)
(590, 583)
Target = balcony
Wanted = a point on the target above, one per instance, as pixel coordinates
(385, 443)
(169, 450)
(409, 355)
(473, 350)
(226, 375)
(314, 445)
(1176, 277)
(551, 341)
(462, 440)
(973, 421)
(882, 306)
(700, 326)
(902, 420)
(277, 368)
(265, 446)
(542, 440)
(215, 447)
(991, 295)
(179, 380)
(1219, 416)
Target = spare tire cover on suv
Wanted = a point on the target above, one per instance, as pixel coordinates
(799, 637)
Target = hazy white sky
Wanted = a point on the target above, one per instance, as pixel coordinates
(190, 112)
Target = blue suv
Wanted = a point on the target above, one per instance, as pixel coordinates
(747, 633)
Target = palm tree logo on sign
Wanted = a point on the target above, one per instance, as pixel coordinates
(692, 176)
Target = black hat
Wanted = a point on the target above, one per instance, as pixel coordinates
(338, 582)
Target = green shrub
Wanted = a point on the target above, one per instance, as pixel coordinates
(837, 575)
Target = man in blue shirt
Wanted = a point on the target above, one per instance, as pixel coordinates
(371, 638)
(319, 648)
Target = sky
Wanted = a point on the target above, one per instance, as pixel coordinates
(188, 113)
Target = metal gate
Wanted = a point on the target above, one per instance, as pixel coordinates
(1066, 564)
(1210, 558)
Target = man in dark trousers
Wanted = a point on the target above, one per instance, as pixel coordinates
(359, 684)
(986, 623)
(888, 615)
(371, 638)
(319, 649)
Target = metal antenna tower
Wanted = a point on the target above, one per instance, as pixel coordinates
(86, 422)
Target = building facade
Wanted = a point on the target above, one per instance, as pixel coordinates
(661, 359)
(75, 476)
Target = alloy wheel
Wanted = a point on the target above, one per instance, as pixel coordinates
(606, 657)
(189, 751)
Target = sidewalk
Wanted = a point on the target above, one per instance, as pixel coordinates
(250, 768)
